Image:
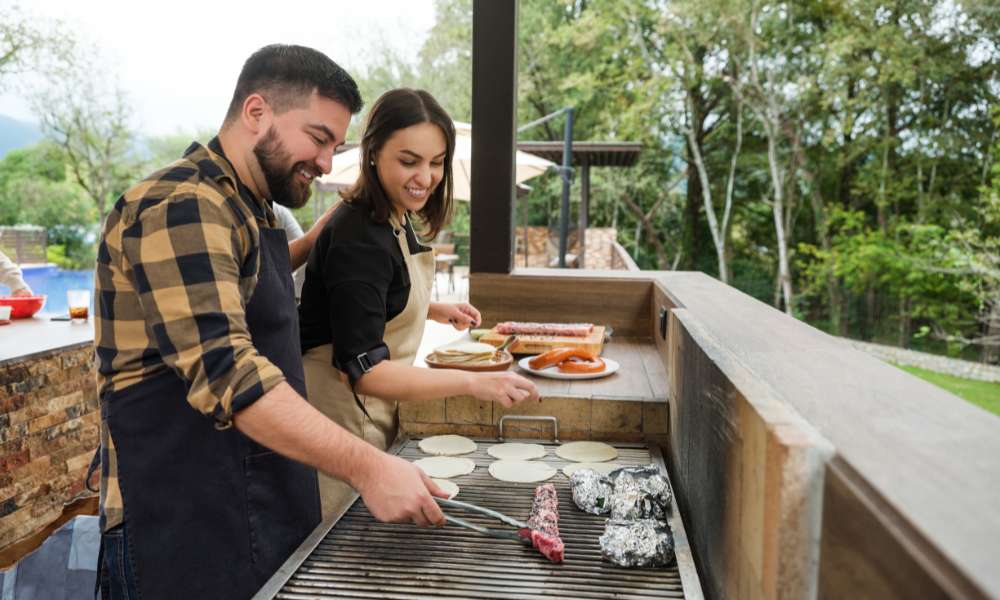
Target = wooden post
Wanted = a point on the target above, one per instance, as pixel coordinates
(494, 119)
(584, 210)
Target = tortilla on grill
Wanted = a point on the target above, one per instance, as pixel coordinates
(447, 445)
(445, 467)
(587, 452)
(516, 451)
(448, 486)
(521, 471)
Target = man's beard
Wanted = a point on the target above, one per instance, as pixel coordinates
(280, 178)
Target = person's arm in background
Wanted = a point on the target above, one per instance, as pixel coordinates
(298, 249)
(10, 276)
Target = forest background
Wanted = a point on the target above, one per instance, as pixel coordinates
(836, 159)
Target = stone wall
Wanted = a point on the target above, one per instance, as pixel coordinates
(932, 362)
(49, 429)
(543, 247)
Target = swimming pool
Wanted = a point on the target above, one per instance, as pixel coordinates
(53, 282)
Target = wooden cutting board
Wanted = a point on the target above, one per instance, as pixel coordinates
(536, 344)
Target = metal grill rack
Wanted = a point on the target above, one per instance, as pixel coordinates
(354, 556)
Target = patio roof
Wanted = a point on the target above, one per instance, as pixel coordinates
(595, 154)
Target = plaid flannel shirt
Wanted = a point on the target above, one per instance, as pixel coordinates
(176, 267)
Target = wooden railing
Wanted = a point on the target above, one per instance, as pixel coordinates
(804, 468)
(621, 260)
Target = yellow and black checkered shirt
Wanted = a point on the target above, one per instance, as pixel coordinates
(176, 267)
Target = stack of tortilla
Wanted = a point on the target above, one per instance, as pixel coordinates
(465, 353)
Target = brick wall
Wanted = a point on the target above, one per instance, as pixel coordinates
(49, 429)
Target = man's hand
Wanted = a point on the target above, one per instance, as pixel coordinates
(22, 292)
(504, 388)
(461, 315)
(397, 491)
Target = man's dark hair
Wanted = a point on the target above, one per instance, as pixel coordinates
(286, 76)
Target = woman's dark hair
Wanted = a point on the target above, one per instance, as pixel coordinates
(394, 110)
(287, 75)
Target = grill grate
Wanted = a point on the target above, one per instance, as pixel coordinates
(362, 558)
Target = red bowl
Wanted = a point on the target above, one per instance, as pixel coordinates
(22, 307)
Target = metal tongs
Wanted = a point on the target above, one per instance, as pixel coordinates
(507, 343)
(523, 533)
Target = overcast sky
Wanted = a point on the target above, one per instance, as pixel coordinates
(178, 60)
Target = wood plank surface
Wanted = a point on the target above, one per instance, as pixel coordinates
(537, 344)
(868, 552)
(550, 295)
(930, 455)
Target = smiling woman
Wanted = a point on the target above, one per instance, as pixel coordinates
(366, 298)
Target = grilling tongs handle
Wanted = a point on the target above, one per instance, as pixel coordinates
(479, 509)
(521, 535)
(495, 533)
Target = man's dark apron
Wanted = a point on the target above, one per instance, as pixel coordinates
(209, 513)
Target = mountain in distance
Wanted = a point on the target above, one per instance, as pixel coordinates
(16, 134)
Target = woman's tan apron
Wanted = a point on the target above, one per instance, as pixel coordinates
(328, 392)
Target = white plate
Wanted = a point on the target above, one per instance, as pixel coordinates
(610, 366)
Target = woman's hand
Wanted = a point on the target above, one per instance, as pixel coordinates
(504, 388)
(461, 315)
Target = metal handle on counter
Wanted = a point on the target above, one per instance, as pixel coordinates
(555, 424)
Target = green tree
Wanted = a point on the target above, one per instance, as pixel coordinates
(31, 45)
(89, 119)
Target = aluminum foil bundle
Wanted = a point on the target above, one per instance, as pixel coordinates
(639, 493)
(591, 491)
(642, 543)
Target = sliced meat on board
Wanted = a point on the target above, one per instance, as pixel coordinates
(524, 328)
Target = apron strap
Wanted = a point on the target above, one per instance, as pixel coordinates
(94, 463)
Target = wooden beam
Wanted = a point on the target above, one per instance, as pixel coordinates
(584, 215)
(494, 124)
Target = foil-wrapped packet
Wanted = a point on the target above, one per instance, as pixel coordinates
(639, 493)
(591, 491)
(642, 543)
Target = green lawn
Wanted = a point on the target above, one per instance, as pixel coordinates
(981, 393)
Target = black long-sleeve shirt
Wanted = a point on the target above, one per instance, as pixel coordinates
(356, 282)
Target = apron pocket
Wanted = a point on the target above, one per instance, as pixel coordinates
(275, 519)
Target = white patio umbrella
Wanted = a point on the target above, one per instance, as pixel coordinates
(347, 165)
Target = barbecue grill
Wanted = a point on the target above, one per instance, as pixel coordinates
(350, 555)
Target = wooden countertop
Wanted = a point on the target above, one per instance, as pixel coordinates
(641, 377)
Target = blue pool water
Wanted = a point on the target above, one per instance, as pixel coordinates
(54, 282)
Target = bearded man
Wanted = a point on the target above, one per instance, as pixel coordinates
(208, 448)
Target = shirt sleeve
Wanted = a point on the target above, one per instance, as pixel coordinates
(186, 256)
(357, 278)
(10, 274)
